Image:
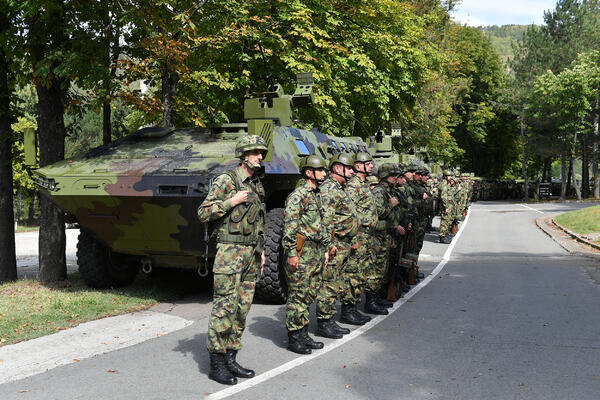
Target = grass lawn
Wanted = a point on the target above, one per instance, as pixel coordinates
(29, 308)
(585, 221)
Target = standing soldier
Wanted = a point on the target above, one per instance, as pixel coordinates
(340, 218)
(386, 203)
(446, 206)
(362, 260)
(236, 203)
(427, 209)
(306, 242)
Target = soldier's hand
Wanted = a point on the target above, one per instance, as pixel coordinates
(326, 259)
(293, 262)
(410, 226)
(240, 197)
(332, 251)
(393, 201)
(425, 196)
(262, 262)
(401, 231)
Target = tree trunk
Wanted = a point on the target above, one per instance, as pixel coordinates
(525, 157)
(169, 89)
(31, 208)
(569, 177)
(563, 175)
(573, 174)
(8, 261)
(585, 168)
(46, 39)
(106, 126)
(595, 147)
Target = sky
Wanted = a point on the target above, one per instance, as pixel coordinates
(502, 12)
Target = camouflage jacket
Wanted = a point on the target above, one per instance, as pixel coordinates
(217, 205)
(400, 214)
(447, 198)
(339, 211)
(360, 192)
(412, 200)
(303, 215)
(382, 194)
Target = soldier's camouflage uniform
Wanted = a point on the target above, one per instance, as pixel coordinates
(447, 202)
(237, 262)
(427, 208)
(382, 193)
(303, 216)
(413, 200)
(339, 216)
(359, 262)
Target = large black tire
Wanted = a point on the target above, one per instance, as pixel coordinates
(272, 285)
(99, 267)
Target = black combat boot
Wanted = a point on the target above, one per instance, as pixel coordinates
(349, 317)
(218, 370)
(296, 343)
(339, 329)
(235, 368)
(371, 306)
(384, 302)
(325, 329)
(308, 341)
(360, 315)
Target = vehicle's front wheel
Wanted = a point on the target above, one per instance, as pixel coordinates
(101, 268)
(272, 285)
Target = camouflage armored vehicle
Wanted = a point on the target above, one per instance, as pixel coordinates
(136, 199)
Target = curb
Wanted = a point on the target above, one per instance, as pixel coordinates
(575, 235)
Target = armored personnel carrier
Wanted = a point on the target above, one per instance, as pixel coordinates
(136, 199)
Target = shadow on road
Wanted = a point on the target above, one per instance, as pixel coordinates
(196, 346)
(271, 328)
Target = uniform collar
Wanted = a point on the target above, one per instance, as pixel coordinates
(242, 175)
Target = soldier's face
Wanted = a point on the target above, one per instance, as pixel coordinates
(400, 180)
(369, 167)
(408, 175)
(320, 174)
(424, 178)
(347, 171)
(255, 156)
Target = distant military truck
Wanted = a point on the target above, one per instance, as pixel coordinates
(136, 199)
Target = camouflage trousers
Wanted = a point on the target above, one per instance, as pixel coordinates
(303, 284)
(376, 271)
(333, 282)
(235, 273)
(445, 222)
(355, 269)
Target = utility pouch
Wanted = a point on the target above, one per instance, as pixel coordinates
(300, 240)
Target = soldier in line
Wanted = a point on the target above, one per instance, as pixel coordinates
(362, 260)
(421, 178)
(306, 242)
(236, 203)
(385, 202)
(340, 218)
(447, 206)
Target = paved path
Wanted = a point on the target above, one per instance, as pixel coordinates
(509, 315)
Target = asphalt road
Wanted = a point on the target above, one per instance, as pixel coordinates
(508, 315)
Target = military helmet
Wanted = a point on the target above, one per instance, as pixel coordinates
(372, 180)
(249, 143)
(363, 157)
(386, 170)
(342, 158)
(424, 170)
(399, 169)
(409, 167)
(312, 161)
(447, 172)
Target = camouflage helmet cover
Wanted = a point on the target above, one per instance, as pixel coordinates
(312, 161)
(342, 158)
(447, 172)
(386, 170)
(372, 180)
(249, 143)
(363, 157)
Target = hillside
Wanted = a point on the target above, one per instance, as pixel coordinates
(503, 36)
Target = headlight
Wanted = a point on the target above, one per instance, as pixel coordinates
(48, 184)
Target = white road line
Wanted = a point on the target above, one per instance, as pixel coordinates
(531, 208)
(334, 345)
